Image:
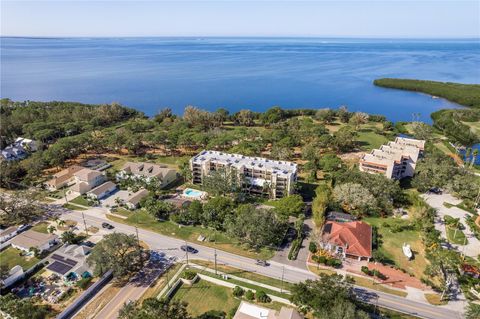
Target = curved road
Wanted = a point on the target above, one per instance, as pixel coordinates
(96, 216)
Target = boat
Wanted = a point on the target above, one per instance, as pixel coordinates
(407, 251)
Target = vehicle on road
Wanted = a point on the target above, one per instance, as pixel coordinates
(189, 249)
(107, 226)
(262, 263)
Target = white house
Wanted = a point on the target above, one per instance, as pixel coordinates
(34, 239)
(19, 149)
(14, 274)
(102, 191)
(87, 179)
(70, 259)
(148, 172)
(6, 234)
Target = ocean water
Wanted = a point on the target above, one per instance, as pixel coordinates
(235, 73)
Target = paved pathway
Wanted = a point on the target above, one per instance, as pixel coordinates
(472, 248)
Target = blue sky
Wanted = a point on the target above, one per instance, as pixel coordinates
(387, 18)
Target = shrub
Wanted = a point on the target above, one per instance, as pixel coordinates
(333, 262)
(296, 245)
(84, 282)
(366, 271)
(238, 291)
(189, 275)
(379, 275)
(249, 295)
(263, 297)
(312, 247)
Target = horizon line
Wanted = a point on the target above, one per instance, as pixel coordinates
(473, 37)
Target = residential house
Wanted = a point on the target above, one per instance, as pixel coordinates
(395, 160)
(102, 191)
(349, 239)
(259, 176)
(70, 261)
(6, 234)
(86, 179)
(470, 270)
(14, 274)
(148, 172)
(133, 200)
(19, 149)
(63, 178)
(34, 239)
(250, 311)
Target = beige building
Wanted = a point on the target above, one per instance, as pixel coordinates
(102, 191)
(63, 178)
(86, 179)
(33, 239)
(260, 176)
(395, 160)
(147, 172)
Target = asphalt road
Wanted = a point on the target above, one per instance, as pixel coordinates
(171, 246)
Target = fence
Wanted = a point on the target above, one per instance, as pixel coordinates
(86, 296)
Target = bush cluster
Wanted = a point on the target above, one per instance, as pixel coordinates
(328, 261)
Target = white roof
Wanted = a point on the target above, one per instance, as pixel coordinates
(253, 310)
(238, 160)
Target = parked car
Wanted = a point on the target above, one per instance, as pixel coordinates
(107, 226)
(88, 244)
(435, 190)
(189, 249)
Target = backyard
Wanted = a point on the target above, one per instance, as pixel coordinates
(41, 227)
(392, 242)
(11, 257)
(204, 296)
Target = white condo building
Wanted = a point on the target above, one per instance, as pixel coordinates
(261, 176)
(394, 160)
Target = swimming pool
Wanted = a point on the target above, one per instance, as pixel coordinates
(193, 193)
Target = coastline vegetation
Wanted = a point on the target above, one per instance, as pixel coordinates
(450, 121)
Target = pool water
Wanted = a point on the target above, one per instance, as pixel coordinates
(193, 193)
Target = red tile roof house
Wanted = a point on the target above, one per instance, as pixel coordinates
(351, 239)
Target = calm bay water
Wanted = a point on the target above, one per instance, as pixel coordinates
(235, 73)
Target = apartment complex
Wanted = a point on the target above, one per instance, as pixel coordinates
(394, 160)
(260, 176)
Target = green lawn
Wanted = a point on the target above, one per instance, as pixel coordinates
(80, 200)
(144, 220)
(11, 257)
(369, 139)
(392, 243)
(204, 296)
(123, 212)
(41, 227)
(246, 274)
(456, 238)
(73, 207)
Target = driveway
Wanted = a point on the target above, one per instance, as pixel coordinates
(472, 248)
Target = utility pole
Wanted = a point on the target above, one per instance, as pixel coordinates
(186, 251)
(215, 249)
(85, 224)
(283, 273)
(138, 239)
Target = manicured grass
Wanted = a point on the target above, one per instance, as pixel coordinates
(144, 220)
(457, 238)
(122, 211)
(368, 283)
(392, 243)
(204, 296)
(320, 270)
(245, 274)
(41, 227)
(80, 200)
(434, 299)
(369, 139)
(73, 207)
(11, 257)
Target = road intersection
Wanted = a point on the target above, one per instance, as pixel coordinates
(96, 216)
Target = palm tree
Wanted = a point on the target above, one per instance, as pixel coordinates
(51, 229)
(468, 152)
(60, 223)
(474, 156)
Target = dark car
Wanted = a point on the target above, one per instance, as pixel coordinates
(88, 244)
(108, 226)
(189, 249)
(435, 190)
(262, 263)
